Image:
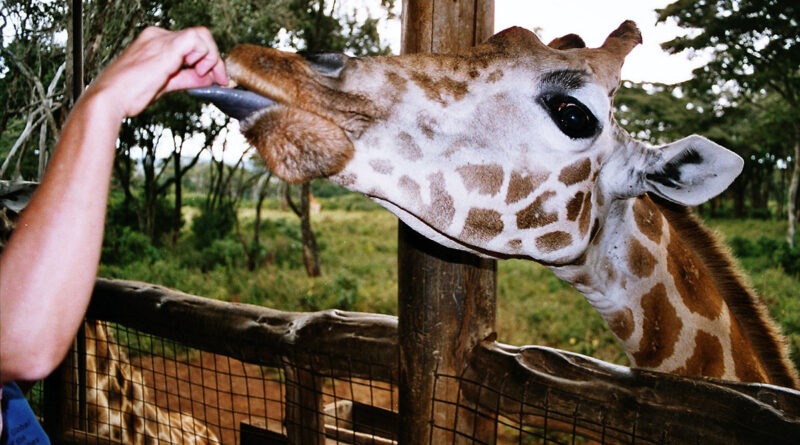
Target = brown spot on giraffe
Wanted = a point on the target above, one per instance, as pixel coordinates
(482, 225)
(442, 208)
(535, 215)
(521, 186)
(410, 187)
(408, 148)
(514, 244)
(707, 358)
(661, 328)
(486, 179)
(456, 146)
(621, 323)
(692, 280)
(438, 89)
(640, 261)
(574, 206)
(596, 230)
(586, 214)
(746, 367)
(576, 172)
(427, 124)
(495, 76)
(382, 166)
(583, 279)
(648, 218)
(552, 241)
(398, 83)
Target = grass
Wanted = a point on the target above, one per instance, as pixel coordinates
(358, 256)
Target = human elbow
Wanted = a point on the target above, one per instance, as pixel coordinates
(33, 365)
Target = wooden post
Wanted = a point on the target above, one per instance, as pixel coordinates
(59, 394)
(446, 297)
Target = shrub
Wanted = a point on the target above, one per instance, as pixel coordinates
(213, 224)
(125, 245)
(789, 258)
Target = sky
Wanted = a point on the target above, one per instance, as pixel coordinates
(593, 20)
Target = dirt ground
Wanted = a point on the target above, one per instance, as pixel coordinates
(223, 392)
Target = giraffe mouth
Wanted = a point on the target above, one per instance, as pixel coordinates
(237, 103)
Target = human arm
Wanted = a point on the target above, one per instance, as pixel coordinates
(48, 268)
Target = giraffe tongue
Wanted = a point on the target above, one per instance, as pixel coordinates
(235, 102)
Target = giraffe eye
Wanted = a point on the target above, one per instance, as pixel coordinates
(571, 116)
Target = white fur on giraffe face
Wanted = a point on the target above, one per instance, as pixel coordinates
(450, 170)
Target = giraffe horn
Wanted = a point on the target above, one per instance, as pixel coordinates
(622, 40)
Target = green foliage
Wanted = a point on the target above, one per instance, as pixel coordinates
(359, 249)
(127, 246)
(752, 43)
(339, 293)
(761, 253)
(213, 224)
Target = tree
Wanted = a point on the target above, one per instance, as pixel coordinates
(753, 48)
(323, 28)
(33, 87)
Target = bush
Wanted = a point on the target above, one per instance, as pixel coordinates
(763, 252)
(790, 259)
(125, 245)
(214, 224)
(339, 293)
(225, 252)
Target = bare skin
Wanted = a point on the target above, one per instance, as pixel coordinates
(48, 268)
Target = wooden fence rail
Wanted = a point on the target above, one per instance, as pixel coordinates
(536, 387)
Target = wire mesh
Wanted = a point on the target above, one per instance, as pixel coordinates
(457, 419)
(140, 388)
(127, 386)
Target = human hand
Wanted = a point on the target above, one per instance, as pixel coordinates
(157, 62)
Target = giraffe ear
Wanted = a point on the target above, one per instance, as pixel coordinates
(569, 41)
(692, 170)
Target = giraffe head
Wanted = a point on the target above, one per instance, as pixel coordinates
(507, 150)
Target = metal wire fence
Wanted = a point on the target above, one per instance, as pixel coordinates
(157, 366)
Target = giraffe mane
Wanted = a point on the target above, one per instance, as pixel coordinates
(744, 304)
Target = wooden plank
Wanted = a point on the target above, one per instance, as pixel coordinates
(348, 344)
(557, 390)
(523, 384)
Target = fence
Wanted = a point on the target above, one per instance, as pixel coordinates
(255, 375)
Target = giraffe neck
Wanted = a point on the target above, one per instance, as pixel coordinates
(119, 405)
(673, 298)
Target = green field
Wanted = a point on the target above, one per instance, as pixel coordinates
(358, 255)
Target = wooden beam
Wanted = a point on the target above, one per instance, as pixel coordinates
(446, 297)
(526, 385)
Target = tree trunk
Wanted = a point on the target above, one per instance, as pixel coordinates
(150, 192)
(255, 245)
(446, 298)
(310, 248)
(791, 199)
(176, 212)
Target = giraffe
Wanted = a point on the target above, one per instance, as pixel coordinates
(511, 150)
(119, 404)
